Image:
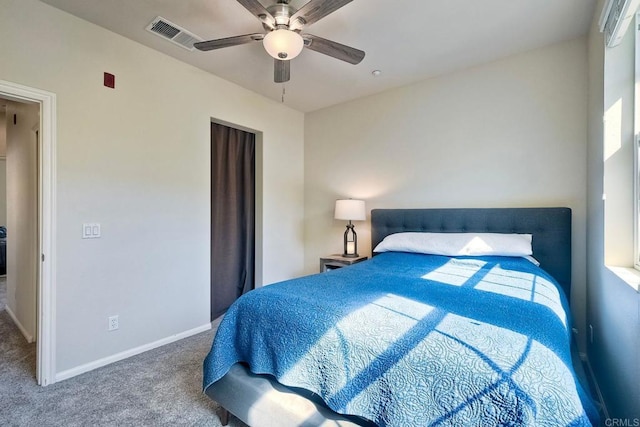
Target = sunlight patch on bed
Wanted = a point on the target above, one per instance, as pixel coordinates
(524, 286)
(288, 403)
(454, 272)
(464, 358)
(402, 306)
(358, 339)
(450, 360)
(476, 245)
(486, 343)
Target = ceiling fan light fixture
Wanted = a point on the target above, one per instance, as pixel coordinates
(283, 44)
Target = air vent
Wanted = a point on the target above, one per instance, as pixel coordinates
(173, 33)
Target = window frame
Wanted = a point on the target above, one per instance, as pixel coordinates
(636, 147)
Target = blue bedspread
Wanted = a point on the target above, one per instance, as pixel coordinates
(415, 340)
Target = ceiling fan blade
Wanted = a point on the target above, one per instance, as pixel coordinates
(334, 49)
(228, 42)
(260, 12)
(281, 71)
(314, 11)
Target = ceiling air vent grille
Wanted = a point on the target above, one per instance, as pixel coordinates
(173, 33)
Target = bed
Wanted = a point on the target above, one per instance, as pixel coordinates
(411, 339)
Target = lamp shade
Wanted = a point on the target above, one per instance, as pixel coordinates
(283, 44)
(350, 209)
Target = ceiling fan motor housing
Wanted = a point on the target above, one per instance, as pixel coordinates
(281, 13)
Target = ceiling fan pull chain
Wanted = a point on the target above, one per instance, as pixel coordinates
(283, 93)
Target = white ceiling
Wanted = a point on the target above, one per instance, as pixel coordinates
(408, 40)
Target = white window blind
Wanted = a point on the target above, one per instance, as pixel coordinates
(615, 19)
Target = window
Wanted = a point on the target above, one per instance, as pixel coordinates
(636, 148)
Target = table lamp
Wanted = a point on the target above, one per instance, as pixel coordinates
(351, 210)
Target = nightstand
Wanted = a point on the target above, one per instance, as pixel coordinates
(331, 262)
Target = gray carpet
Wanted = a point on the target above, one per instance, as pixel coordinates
(161, 387)
(3, 292)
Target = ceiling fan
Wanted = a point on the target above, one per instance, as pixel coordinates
(284, 39)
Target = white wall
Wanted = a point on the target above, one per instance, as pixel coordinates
(136, 160)
(22, 219)
(509, 133)
(613, 306)
(3, 165)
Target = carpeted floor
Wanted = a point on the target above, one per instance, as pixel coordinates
(161, 387)
(3, 292)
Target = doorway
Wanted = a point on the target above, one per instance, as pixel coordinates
(233, 215)
(18, 210)
(42, 254)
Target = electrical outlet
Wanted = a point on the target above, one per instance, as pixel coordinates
(113, 323)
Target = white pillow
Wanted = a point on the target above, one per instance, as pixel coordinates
(458, 244)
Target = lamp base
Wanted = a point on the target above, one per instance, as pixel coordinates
(350, 255)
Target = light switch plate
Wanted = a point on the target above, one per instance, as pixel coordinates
(91, 230)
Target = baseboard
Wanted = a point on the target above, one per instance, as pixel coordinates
(30, 338)
(69, 373)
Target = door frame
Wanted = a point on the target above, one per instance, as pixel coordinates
(46, 286)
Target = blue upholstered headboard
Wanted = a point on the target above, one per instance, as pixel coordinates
(550, 227)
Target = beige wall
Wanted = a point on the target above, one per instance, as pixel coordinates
(136, 160)
(508, 133)
(3, 191)
(613, 306)
(3, 129)
(22, 220)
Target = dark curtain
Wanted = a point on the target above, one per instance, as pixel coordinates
(232, 216)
